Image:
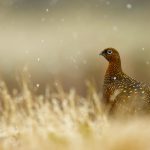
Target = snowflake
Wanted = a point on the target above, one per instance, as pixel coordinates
(129, 6)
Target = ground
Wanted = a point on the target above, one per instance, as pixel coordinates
(61, 120)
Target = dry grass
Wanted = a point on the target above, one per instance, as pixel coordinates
(64, 121)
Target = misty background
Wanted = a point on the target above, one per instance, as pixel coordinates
(59, 40)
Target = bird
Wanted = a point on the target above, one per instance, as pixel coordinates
(123, 95)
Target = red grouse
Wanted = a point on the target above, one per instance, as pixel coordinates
(121, 93)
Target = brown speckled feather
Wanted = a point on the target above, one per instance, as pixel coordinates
(120, 91)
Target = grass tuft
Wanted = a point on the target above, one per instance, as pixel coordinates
(62, 120)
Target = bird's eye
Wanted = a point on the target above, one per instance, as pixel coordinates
(109, 52)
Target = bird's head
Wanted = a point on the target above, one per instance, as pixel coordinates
(111, 54)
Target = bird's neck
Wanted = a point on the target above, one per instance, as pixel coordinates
(114, 68)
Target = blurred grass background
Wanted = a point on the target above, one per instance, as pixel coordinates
(59, 40)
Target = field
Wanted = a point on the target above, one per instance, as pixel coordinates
(60, 120)
(51, 74)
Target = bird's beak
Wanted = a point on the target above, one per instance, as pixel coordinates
(101, 53)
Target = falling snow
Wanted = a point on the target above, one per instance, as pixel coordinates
(114, 78)
(56, 83)
(115, 28)
(42, 41)
(38, 59)
(129, 6)
(25, 68)
(37, 85)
